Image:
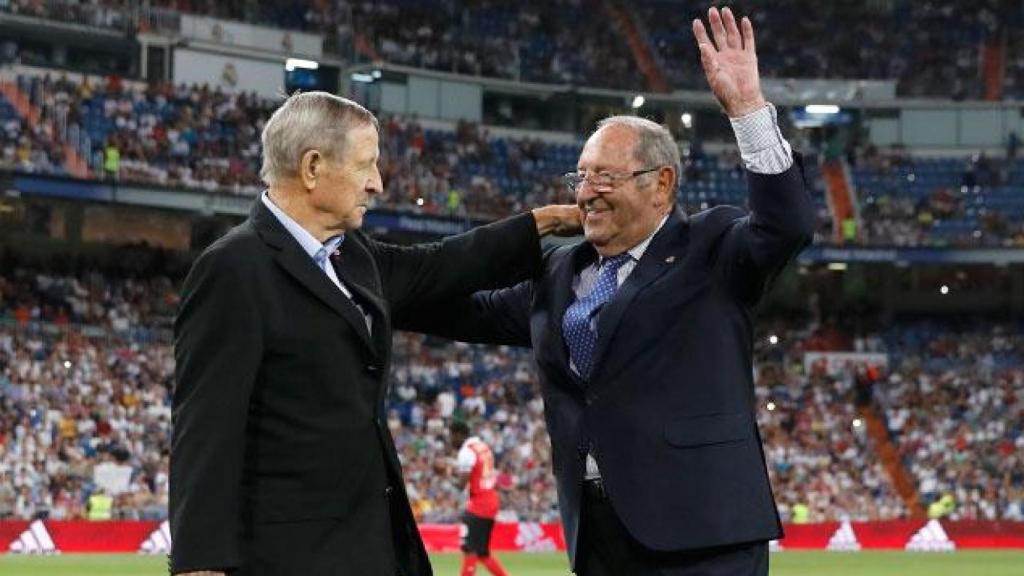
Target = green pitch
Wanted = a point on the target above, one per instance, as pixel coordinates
(964, 563)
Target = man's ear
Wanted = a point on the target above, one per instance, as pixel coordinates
(666, 186)
(310, 166)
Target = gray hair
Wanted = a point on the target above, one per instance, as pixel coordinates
(655, 145)
(306, 121)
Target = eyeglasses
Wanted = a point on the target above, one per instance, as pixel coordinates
(603, 180)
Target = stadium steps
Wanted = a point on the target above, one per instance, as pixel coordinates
(73, 162)
(898, 475)
(841, 197)
(993, 66)
(639, 45)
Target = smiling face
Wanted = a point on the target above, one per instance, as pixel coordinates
(344, 188)
(618, 217)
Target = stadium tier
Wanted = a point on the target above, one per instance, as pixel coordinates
(193, 137)
(86, 372)
(931, 49)
(928, 48)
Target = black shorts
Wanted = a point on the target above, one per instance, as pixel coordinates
(476, 534)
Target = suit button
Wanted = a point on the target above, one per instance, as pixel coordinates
(388, 490)
(380, 422)
(372, 369)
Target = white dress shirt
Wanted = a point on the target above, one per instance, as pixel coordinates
(320, 252)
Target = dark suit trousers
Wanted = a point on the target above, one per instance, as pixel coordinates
(314, 547)
(607, 549)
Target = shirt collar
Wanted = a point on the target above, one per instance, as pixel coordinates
(310, 245)
(637, 252)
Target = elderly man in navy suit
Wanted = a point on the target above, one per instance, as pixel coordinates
(643, 338)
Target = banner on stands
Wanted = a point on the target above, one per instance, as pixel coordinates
(73, 536)
(835, 363)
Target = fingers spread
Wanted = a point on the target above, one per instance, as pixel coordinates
(717, 28)
(732, 33)
(700, 33)
(748, 34)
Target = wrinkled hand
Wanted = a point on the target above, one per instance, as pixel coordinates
(559, 219)
(730, 63)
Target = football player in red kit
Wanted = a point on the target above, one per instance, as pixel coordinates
(475, 466)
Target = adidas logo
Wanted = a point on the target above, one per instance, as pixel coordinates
(159, 542)
(34, 540)
(931, 538)
(844, 539)
(530, 537)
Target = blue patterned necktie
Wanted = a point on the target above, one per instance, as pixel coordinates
(576, 324)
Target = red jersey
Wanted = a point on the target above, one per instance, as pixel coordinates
(477, 460)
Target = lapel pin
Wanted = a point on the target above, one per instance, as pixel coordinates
(670, 259)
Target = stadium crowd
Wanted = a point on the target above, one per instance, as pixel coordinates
(817, 458)
(199, 138)
(25, 147)
(531, 41)
(957, 202)
(955, 407)
(183, 136)
(195, 137)
(86, 372)
(931, 48)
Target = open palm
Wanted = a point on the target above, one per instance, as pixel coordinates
(730, 63)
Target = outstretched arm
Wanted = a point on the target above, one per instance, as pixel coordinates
(781, 221)
(487, 317)
(416, 278)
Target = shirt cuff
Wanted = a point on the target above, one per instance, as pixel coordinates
(762, 147)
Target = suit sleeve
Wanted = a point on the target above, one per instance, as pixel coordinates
(217, 349)
(756, 247)
(492, 256)
(488, 317)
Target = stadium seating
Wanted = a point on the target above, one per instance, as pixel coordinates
(197, 138)
(956, 409)
(191, 137)
(26, 148)
(941, 201)
(86, 371)
(931, 50)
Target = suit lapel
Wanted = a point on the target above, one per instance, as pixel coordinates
(667, 249)
(299, 265)
(358, 273)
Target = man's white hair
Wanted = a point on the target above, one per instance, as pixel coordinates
(307, 121)
(655, 145)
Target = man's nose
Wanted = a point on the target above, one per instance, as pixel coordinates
(376, 183)
(585, 192)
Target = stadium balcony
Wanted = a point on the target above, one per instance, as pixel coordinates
(938, 50)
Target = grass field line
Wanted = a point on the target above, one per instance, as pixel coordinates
(789, 563)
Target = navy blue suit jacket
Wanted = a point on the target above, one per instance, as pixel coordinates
(669, 410)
